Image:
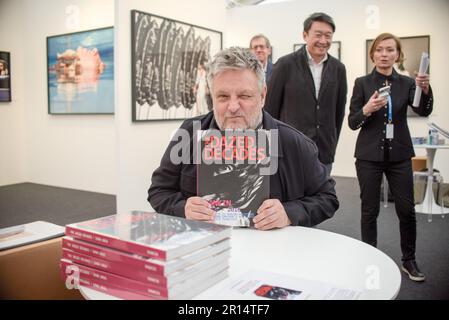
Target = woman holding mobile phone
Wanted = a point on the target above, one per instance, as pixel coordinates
(384, 144)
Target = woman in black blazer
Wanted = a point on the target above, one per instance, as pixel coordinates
(384, 144)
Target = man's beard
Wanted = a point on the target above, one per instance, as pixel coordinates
(253, 123)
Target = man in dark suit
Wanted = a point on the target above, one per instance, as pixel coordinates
(308, 88)
(261, 47)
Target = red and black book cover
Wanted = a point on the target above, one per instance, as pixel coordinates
(149, 234)
(230, 173)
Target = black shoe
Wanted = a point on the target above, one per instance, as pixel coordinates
(411, 268)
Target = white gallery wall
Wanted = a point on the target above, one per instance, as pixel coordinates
(356, 21)
(141, 145)
(73, 151)
(13, 128)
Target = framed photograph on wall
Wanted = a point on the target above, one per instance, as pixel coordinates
(80, 72)
(5, 76)
(334, 50)
(412, 47)
(168, 67)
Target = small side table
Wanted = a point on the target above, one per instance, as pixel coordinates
(429, 205)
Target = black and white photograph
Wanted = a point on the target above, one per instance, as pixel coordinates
(169, 61)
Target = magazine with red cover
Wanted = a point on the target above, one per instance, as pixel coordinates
(110, 290)
(149, 234)
(140, 263)
(230, 169)
(185, 290)
(156, 280)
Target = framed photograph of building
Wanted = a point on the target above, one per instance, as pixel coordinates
(5, 76)
(80, 72)
(334, 50)
(412, 47)
(168, 67)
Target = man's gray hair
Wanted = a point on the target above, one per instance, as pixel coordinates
(235, 58)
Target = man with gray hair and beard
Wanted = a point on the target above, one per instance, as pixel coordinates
(301, 193)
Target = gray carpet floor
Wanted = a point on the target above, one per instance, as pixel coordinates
(432, 245)
(27, 202)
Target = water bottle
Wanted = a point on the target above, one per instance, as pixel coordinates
(433, 136)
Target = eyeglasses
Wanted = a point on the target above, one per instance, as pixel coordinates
(260, 46)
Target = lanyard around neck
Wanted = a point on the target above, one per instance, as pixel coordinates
(390, 109)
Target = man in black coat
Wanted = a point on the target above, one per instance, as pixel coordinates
(308, 88)
(301, 193)
(261, 47)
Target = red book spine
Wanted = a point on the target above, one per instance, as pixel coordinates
(116, 281)
(159, 282)
(113, 242)
(110, 290)
(112, 255)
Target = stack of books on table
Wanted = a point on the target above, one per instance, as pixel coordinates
(143, 255)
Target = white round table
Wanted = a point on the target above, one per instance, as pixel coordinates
(312, 254)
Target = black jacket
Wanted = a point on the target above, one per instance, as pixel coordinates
(371, 142)
(300, 183)
(291, 98)
(269, 72)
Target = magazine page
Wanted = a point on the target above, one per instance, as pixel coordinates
(230, 173)
(261, 285)
(28, 233)
(423, 66)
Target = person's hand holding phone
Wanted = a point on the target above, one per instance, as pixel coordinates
(376, 101)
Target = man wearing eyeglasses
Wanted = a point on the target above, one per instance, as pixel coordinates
(261, 47)
(308, 88)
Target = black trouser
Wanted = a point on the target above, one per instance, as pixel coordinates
(400, 181)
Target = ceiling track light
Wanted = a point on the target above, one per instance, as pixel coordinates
(241, 3)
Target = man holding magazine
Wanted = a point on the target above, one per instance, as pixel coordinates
(300, 191)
